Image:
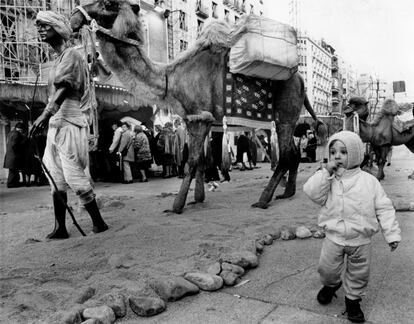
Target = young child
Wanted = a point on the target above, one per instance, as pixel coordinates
(354, 208)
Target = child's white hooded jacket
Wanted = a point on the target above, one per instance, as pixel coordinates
(354, 205)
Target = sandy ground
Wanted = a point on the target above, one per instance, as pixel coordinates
(39, 278)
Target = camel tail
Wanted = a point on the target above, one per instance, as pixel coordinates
(320, 127)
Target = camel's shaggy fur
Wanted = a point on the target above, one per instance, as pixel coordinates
(192, 86)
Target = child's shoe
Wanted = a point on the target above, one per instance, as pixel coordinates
(355, 314)
(326, 294)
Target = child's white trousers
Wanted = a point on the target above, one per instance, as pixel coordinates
(351, 261)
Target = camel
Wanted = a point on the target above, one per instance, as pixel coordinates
(380, 133)
(192, 85)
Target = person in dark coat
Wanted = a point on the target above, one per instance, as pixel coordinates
(15, 155)
(311, 147)
(214, 163)
(165, 145)
(243, 146)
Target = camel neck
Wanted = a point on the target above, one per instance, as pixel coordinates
(131, 63)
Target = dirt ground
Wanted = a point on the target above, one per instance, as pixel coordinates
(40, 278)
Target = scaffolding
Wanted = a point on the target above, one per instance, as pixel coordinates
(22, 55)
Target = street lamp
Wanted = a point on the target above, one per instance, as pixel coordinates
(165, 12)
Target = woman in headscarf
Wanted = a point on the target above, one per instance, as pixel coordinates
(66, 153)
(143, 156)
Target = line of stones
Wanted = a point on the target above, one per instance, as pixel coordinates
(228, 271)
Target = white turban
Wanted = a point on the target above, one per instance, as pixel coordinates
(57, 21)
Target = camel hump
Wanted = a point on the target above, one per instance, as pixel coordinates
(216, 33)
(390, 107)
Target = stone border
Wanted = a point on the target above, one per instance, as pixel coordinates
(153, 299)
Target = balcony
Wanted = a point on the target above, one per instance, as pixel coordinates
(335, 88)
(234, 4)
(201, 10)
(335, 100)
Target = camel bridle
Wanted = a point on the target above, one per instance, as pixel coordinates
(94, 26)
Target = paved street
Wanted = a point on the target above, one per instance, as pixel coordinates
(281, 290)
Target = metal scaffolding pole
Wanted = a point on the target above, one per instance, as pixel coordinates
(21, 52)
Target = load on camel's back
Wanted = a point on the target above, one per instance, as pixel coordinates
(193, 86)
(385, 131)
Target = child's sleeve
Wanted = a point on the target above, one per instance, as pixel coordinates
(318, 186)
(386, 215)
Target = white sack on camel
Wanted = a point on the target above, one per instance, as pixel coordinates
(267, 49)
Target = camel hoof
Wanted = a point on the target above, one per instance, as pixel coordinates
(284, 196)
(194, 202)
(261, 205)
(173, 211)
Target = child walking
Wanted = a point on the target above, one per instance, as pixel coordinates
(354, 208)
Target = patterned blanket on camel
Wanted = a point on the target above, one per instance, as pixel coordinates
(248, 101)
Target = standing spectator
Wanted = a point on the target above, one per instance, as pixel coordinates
(165, 146)
(311, 146)
(66, 153)
(253, 147)
(14, 159)
(35, 145)
(181, 146)
(116, 166)
(126, 150)
(156, 152)
(214, 162)
(243, 146)
(303, 143)
(142, 149)
(354, 207)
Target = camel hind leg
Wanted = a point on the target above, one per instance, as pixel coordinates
(268, 192)
(288, 160)
(410, 146)
(290, 188)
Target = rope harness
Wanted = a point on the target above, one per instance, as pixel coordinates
(94, 27)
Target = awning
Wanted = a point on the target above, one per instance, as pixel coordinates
(14, 96)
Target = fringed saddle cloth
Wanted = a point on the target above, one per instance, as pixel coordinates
(247, 101)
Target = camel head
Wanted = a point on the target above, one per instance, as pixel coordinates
(358, 105)
(121, 17)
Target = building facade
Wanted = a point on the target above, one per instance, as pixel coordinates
(186, 18)
(315, 67)
(349, 81)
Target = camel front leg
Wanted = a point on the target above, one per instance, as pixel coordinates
(181, 198)
(198, 126)
(381, 152)
(268, 192)
(199, 193)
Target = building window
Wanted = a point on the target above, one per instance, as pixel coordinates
(214, 10)
(183, 21)
(200, 25)
(226, 15)
(236, 18)
(261, 13)
(251, 9)
(183, 45)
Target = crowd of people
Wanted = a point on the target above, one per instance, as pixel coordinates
(137, 152)
(133, 150)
